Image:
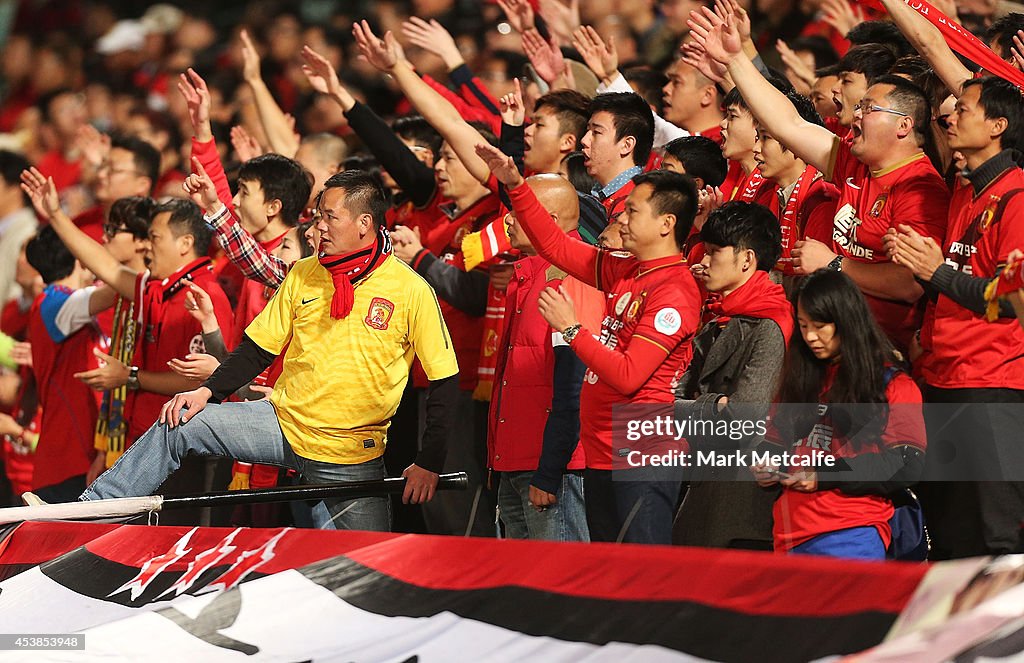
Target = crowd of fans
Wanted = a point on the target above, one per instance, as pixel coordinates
(800, 212)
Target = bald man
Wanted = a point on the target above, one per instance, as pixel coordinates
(533, 431)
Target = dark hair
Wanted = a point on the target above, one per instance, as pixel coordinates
(49, 256)
(631, 116)
(12, 164)
(831, 70)
(514, 62)
(282, 179)
(701, 157)
(301, 229)
(576, 171)
(673, 193)
(1000, 98)
(414, 128)
(913, 67)
(145, 156)
(1002, 31)
(570, 108)
(805, 108)
(134, 213)
(818, 46)
(648, 83)
(872, 60)
(745, 226)
(832, 297)
(880, 33)
(162, 121)
(46, 99)
(187, 219)
(363, 194)
(908, 98)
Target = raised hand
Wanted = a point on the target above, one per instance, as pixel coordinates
(1017, 50)
(513, 111)
(795, 64)
(502, 165)
(708, 200)
(694, 55)
(200, 306)
(726, 8)
(93, 144)
(602, 59)
(841, 15)
(545, 57)
(383, 54)
(719, 38)
(246, 147)
(197, 98)
(432, 37)
(519, 14)
(200, 187)
(321, 76)
(42, 191)
(562, 19)
(250, 59)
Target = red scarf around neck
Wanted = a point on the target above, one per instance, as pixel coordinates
(349, 268)
(757, 298)
(788, 218)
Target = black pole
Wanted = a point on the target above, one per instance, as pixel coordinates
(346, 490)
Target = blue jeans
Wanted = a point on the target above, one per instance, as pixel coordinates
(852, 543)
(634, 505)
(248, 432)
(565, 521)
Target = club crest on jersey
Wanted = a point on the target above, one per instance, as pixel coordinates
(989, 215)
(380, 313)
(623, 302)
(879, 205)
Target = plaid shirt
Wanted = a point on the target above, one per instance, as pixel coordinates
(244, 251)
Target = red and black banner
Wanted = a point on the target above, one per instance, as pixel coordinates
(174, 593)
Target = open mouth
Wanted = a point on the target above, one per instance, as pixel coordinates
(839, 104)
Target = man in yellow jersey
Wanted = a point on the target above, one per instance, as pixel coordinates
(348, 322)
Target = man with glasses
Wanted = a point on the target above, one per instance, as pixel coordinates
(883, 174)
(130, 168)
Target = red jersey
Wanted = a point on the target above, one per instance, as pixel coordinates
(909, 192)
(169, 332)
(64, 173)
(966, 351)
(801, 516)
(62, 345)
(650, 318)
(91, 222)
(806, 212)
(408, 215)
(713, 133)
(445, 241)
(749, 187)
(615, 204)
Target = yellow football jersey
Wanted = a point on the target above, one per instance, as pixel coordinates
(342, 380)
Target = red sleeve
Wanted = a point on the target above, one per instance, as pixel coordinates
(572, 255)
(906, 420)
(468, 113)
(821, 213)
(207, 154)
(670, 317)
(923, 204)
(844, 164)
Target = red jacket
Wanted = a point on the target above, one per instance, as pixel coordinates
(523, 378)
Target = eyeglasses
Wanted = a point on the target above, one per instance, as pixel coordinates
(868, 110)
(106, 167)
(943, 121)
(110, 230)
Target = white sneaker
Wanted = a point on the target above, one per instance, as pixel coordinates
(31, 499)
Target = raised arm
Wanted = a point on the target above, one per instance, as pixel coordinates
(197, 99)
(414, 177)
(930, 43)
(769, 107)
(89, 252)
(387, 56)
(279, 131)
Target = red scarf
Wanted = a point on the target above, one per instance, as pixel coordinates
(746, 189)
(788, 218)
(962, 41)
(350, 268)
(757, 298)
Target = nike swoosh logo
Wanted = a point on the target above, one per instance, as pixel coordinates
(311, 299)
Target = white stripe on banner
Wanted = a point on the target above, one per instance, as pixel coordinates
(247, 624)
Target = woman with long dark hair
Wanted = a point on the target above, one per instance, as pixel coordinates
(846, 407)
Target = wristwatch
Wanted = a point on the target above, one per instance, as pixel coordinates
(836, 265)
(133, 378)
(569, 333)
